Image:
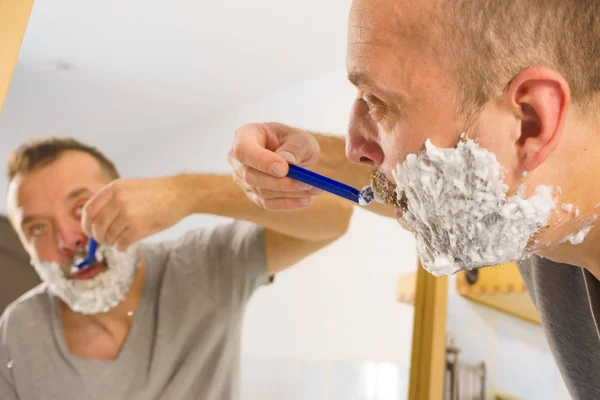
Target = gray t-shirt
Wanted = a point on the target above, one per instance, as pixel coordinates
(568, 302)
(184, 342)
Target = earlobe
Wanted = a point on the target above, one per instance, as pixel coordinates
(542, 97)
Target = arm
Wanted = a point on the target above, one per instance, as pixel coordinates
(7, 386)
(128, 210)
(7, 390)
(289, 237)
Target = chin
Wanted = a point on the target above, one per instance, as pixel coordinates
(96, 289)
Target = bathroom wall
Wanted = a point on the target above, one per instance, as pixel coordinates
(515, 351)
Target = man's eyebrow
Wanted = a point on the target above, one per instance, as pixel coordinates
(357, 78)
(77, 192)
(27, 219)
(360, 80)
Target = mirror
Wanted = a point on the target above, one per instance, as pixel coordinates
(160, 89)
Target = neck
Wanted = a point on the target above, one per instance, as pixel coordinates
(585, 254)
(111, 322)
(576, 170)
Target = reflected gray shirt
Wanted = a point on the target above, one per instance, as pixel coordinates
(184, 342)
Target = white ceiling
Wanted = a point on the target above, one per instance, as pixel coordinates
(128, 76)
(210, 51)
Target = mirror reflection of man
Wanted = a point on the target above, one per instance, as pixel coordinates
(146, 321)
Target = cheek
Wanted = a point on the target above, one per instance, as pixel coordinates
(393, 153)
(404, 140)
(505, 151)
(498, 131)
(44, 249)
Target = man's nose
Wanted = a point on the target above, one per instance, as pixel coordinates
(71, 238)
(362, 143)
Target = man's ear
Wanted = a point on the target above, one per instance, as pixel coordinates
(541, 97)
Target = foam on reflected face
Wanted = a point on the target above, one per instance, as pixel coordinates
(100, 293)
(459, 210)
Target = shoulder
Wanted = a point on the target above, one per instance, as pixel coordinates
(214, 243)
(214, 261)
(549, 282)
(32, 307)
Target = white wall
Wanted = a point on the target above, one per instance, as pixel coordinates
(517, 356)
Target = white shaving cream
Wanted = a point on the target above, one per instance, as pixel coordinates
(579, 237)
(98, 294)
(459, 211)
(568, 208)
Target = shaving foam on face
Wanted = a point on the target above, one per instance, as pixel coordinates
(568, 208)
(459, 211)
(579, 236)
(98, 294)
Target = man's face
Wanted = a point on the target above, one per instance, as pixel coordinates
(404, 97)
(456, 199)
(45, 206)
(406, 89)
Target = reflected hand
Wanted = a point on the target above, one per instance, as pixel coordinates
(128, 210)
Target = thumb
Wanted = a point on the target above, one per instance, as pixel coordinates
(287, 155)
(300, 149)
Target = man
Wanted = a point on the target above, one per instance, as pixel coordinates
(154, 321)
(481, 120)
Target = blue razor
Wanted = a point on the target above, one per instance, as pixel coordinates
(91, 255)
(362, 197)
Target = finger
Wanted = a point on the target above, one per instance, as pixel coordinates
(270, 194)
(250, 149)
(103, 219)
(93, 207)
(281, 204)
(116, 228)
(124, 239)
(300, 148)
(257, 179)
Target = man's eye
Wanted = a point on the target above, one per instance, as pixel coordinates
(79, 211)
(376, 108)
(367, 99)
(37, 230)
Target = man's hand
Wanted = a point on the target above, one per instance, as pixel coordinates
(260, 157)
(128, 210)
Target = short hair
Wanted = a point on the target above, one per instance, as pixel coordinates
(491, 41)
(35, 154)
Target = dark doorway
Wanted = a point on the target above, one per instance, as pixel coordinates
(16, 274)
